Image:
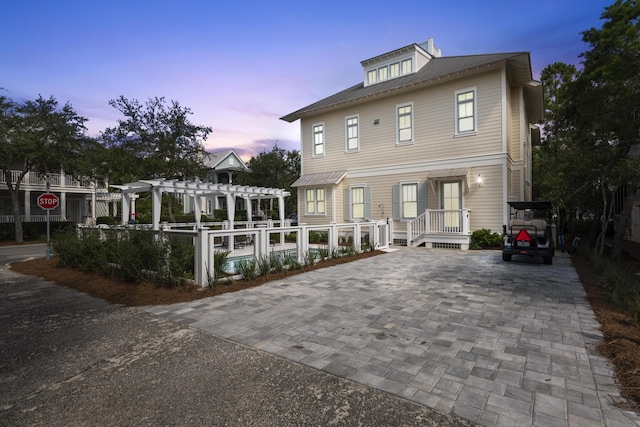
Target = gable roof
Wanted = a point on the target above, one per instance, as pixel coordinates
(213, 159)
(435, 71)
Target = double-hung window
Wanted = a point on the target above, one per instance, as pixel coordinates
(352, 134)
(465, 111)
(357, 203)
(409, 201)
(404, 123)
(318, 139)
(315, 201)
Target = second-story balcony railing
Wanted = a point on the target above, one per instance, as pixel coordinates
(56, 180)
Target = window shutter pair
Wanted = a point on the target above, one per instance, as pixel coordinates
(422, 200)
(348, 212)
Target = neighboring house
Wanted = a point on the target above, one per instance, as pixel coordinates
(437, 145)
(222, 165)
(77, 198)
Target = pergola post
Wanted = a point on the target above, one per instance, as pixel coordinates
(156, 207)
(282, 219)
(197, 208)
(126, 205)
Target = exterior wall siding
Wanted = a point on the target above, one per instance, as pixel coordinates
(433, 127)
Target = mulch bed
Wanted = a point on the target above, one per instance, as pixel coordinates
(118, 291)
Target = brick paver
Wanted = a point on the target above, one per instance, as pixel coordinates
(462, 332)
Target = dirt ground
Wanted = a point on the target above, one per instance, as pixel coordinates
(622, 335)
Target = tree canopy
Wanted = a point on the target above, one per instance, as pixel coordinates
(592, 123)
(277, 168)
(154, 140)
(39, 136)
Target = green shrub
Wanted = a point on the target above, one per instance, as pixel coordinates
(247, 267)
(484, 238)
(264, 266)
(108, 220)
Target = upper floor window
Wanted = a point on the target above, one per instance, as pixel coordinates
(352, 133)
(382, 73)
(372, 76)
(318, 139)
(405, 123)
(314, 201)
(394, 70)
(466, 111)
(407, 66)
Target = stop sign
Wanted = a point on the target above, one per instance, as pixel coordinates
(48, 201)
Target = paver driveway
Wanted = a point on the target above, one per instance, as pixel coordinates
(462, 332)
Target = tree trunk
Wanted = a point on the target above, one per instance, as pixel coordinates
(14, 191)
(623, 221)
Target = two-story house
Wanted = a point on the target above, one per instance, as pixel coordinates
(79, 199)
(437, 145)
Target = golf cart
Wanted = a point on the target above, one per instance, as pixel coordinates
(529, 231)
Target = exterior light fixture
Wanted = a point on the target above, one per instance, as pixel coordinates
(376, 122)
(479, 180)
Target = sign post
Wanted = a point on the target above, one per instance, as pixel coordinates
(48, 201)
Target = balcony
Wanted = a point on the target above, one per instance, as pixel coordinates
(440, 228)
(37, 181)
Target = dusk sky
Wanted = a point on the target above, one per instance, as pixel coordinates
(240, 66)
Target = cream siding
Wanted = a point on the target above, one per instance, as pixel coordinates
(433, 128)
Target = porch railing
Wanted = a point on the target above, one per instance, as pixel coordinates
(33, 178)
(33, 218)
(438, 221)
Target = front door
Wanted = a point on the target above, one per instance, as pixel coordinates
(451, 204)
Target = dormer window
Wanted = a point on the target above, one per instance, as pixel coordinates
(372, 77)
(401, 62)
(407, 66)
(382, 73)
(394, 70)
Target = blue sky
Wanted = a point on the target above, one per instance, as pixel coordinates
(239, 66)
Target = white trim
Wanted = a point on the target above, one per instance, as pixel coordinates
(473, 89)
(313, 140)
(315, 201)
(504, 118)
(401, 196)
(346, 134)
(420, 167)
(413, 126)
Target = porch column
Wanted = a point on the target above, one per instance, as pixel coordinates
(134, 196)
(27, 205)
(156, 207)
(126, 204)
(93, 202)
(63, 206)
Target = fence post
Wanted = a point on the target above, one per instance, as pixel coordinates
(202, 257)
(302, 242)
(357, 237)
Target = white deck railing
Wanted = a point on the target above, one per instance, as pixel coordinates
(438, 221)
(34, 218)
(56, 180)
(297, 242)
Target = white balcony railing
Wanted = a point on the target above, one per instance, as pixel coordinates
(56, 180)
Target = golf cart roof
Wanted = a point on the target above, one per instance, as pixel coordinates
(535, 205)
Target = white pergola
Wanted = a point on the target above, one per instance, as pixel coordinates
(197, 190)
